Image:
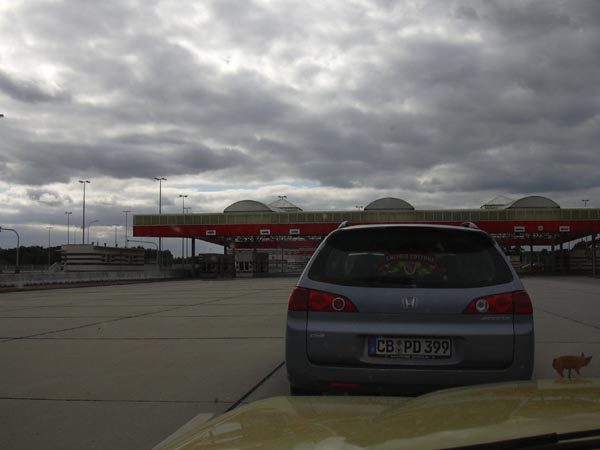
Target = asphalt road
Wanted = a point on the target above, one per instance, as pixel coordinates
(125, 366)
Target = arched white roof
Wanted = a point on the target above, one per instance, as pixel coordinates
(387, 203)
(284, 205)
(498, 202)
(248, 206)
(533, 201)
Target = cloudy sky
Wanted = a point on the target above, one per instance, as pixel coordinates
(445, 104)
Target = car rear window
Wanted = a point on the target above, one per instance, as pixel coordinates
(410, 257)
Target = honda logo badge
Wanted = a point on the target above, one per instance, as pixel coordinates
(409, 302)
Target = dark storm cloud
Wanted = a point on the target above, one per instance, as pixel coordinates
(27, 91)
(425, 96)
(532, 19)
(475, 98)
(134, 157)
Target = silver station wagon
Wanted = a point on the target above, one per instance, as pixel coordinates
(390, 308)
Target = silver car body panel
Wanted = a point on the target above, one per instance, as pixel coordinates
(326, 347)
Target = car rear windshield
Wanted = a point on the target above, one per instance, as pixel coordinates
(410, 257)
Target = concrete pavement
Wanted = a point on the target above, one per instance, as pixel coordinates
(125, 366)
(567, 321)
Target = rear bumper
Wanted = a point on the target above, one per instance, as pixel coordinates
(304, 374)
(325, 378)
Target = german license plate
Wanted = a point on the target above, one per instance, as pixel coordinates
(407, 347)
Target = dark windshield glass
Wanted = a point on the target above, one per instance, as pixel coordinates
(410, 257)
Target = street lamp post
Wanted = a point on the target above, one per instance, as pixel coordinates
(160, 180)
(115, 225)
(182, 197)
(49, 229)
(126, 213)
(84, 182)
(188, 209)
(18, 245)
(68, 214)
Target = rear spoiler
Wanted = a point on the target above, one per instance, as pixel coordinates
(470, 225)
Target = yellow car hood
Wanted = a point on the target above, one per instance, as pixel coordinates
(443, 419)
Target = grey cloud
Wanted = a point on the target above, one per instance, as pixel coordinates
(84, 21)
(255, 26)
(48, 198)
(434, 97)
(28, 91)
(537, 18)
(61, 161)
(466, 12)
(524, 168)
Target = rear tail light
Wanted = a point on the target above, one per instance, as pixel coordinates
(326, 302)
(298, 300)
(310, 300)
(508, 303)
(522, 303)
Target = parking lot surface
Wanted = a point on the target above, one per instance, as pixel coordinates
(125, 366)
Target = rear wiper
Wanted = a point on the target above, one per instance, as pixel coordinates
(551, 441)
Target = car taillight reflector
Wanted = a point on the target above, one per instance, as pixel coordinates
(298, 300)
(508, 303)
(522, 303)
(310, 300)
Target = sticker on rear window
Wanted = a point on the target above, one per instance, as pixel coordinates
(409, 264)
